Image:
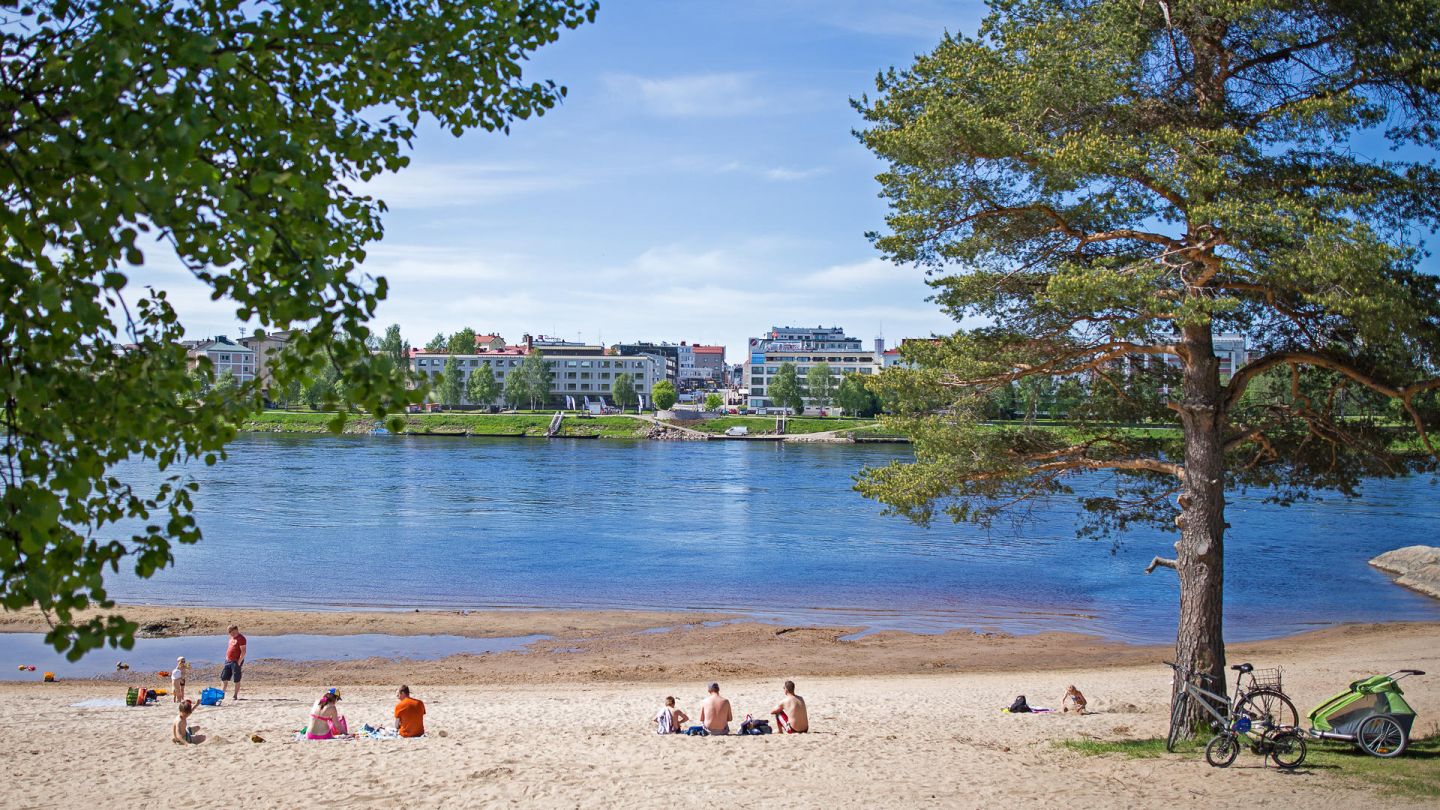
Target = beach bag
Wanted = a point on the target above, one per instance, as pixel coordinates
(755, 727)
(210, 696)
(1019, 706)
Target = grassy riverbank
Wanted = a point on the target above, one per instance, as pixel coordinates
(454, 423)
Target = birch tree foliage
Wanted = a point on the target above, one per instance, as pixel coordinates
(230, 138)
(1107, 185)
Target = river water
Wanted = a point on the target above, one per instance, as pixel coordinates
(762, 528)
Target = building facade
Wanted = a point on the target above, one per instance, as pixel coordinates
(805, 347)
(266, 347)
(224, 355)
(583, 375)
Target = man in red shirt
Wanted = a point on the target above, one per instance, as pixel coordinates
(409, 714)
(234, 661)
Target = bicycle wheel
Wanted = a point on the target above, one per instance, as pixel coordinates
(1382, 736)
(1222, 750)
(1270, 706)
(1177, 720)
(1287, 749)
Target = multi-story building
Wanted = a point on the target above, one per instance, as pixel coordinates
(669, 354)
(225, 356)
(576, 370)
(806, 347)
(710, 364)
(266, 346)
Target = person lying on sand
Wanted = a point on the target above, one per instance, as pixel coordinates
(325, 720)
(669, 719)
(790, 715)
(715, 713)
(1073, 701)
(182, 732)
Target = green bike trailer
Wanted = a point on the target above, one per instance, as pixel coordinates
(1372, 713)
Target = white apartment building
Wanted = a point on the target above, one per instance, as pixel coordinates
(224, 356)
(805, 347)
(587, 375)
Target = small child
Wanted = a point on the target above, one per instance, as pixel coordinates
(177, 679)
(670, 719)
(1073, 701)
(182, 732)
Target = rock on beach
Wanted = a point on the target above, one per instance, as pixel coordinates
(1416, 567)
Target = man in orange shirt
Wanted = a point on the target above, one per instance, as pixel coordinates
(409, 714)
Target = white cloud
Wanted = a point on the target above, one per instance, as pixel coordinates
(460, 184)
(705, 95)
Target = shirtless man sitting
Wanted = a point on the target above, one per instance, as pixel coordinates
(715, 713)
(790, 715)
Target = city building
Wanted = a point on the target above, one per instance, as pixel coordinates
(582, 371)
(669, 354)
(710, 364)
(805, 347)
(266, 347)
(225, 356)
(489, 343)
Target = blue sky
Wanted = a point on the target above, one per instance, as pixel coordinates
(699, 183)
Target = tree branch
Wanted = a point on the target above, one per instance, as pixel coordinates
(1161, 562)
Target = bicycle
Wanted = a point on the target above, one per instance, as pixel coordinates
(1283, 745)
(1262, 700)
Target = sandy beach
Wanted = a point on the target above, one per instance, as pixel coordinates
(898, 720)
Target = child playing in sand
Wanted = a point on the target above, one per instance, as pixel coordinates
(1073, 701)
(177, 680)
(182, 732)
(669, 719)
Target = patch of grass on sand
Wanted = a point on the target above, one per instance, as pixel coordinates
(1414, 774)
(1134, 749)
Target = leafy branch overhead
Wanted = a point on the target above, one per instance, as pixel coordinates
(231, 138)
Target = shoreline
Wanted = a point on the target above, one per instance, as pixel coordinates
(617, 646)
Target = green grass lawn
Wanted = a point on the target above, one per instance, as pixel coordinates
(454, 423)
(1414, 774)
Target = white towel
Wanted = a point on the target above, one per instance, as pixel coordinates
(664, 721)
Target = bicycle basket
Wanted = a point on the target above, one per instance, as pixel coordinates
(1267, 678)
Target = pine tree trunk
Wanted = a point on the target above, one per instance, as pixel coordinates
(1199, 641)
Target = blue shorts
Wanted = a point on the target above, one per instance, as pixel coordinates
(231, 672)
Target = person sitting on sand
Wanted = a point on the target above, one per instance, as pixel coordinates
(325, 720)
(409, 714)
(182, 732)
(790, 715)
(1073, 701)
(715, 713)
(670, 719)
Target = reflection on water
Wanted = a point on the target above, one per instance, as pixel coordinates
(761, 528)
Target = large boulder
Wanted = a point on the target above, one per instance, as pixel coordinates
(1417, 567)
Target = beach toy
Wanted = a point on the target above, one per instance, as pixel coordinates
(163, 673)
(31, 667)
(121, 666)
(49, 677)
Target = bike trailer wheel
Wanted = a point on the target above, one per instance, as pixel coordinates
(1382, 736)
